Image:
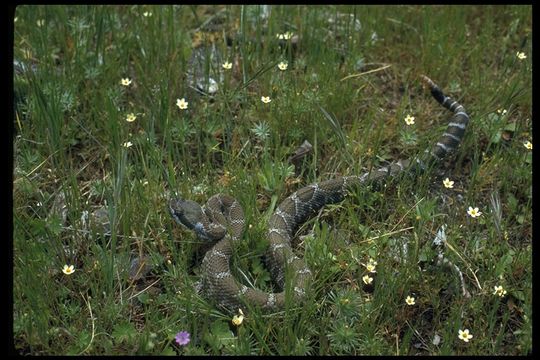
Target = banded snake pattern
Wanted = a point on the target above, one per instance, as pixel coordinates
(221, 220)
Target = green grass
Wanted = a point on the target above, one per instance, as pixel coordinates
(70, 126)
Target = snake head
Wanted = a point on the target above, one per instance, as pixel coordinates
(187, 213)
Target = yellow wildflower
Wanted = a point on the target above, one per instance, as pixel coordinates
(465, 335)
(409, 120)
(182, 103)
(367, 279)
(448, 183)
(68, 270)
(370, 266)
(227, 65)
(238, 319)
(474, 212)
(499, 291)
(131, 117)
(285, 36)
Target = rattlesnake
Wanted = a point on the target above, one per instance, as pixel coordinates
(221, 219)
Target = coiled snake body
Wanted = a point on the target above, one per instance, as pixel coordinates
(222, 220)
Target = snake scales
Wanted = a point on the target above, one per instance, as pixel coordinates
(221, 220)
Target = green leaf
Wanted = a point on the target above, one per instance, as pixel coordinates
(495, 138)
(260, 271)
(220, 335)
(519, 295)
(504, 262)
(82, 342)
(168, 351)
(124, 332)
(528, 158)
(510, 127)
(144, 298)
(424, 255)
(55, 224)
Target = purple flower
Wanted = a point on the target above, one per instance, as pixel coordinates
(182, 338)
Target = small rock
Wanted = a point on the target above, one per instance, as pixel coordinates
(99, 220)
(59, 207)
(436, 340)
(139, 268)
